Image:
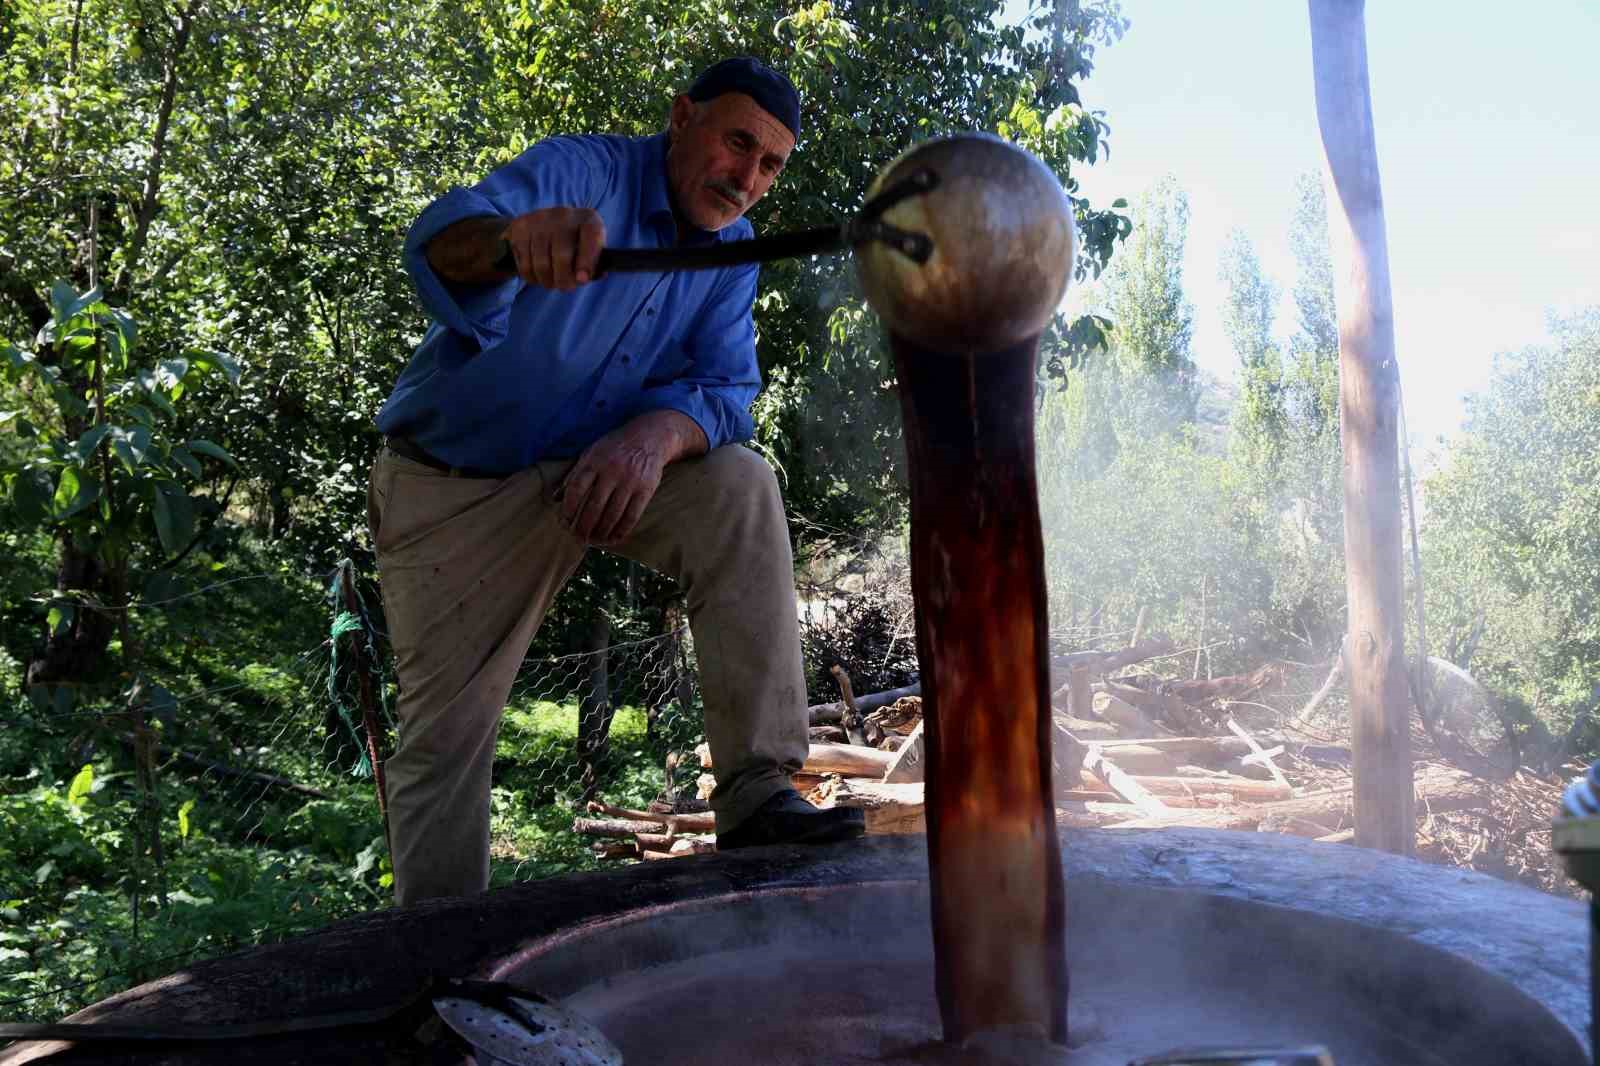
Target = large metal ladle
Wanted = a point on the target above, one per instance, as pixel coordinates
(866, 226)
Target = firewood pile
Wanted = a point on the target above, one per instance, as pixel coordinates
(1136, 752)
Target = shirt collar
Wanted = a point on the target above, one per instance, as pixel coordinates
(655, 204)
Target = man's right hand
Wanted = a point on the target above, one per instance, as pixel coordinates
(554, 247)
(557, 247)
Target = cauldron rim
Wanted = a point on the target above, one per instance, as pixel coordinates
(1535, 941)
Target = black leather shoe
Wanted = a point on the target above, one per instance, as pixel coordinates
(787, 818)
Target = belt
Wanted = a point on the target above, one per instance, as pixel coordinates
(406, 448)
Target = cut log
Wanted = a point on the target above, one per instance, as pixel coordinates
(599, 807)
(851, 760)
(1100, 662)
(692, 846)
(1439, 789)
(833, 713)
(850, 718)
(1124, 715)
(1066, 757)
(691, 822)
(615, 849)
(1192, 748)
(1140, 759)
(1245, 789)
(827, 734)
(1233, 687)
(909, 763)
(900, 717)
(1096, 763)
(1259, 754)
(889, 808)
(614, 827)
(1087, 729)
(1159, 705)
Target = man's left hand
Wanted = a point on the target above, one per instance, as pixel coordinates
(608, 488)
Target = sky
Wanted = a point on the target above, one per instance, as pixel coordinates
(1488, 149)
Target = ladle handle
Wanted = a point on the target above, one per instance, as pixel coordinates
(794, 245)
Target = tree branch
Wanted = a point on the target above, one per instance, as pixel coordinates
(150, 198)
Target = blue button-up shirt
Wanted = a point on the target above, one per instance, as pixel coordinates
(510, 374)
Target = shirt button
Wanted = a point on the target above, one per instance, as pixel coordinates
(626, 359)
(649, 310)
(600, 404)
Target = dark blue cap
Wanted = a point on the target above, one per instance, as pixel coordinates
(748, 75)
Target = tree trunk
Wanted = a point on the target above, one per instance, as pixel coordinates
(595, 709)
(1368, 412)
(75, 651)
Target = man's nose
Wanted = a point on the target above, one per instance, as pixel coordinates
(745, 173)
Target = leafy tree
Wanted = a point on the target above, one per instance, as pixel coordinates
(1153, 322)
(241, 177)
(1512, 534)
(1286, 424)
(101, 467)
(1260, 421)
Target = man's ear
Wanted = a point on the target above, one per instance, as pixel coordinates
(683, 112)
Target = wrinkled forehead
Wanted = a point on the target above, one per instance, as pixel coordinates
(740, 111)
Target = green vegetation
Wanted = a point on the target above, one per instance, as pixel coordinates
(89, 905)
(201, 309)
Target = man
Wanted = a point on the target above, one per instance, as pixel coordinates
(550, 410)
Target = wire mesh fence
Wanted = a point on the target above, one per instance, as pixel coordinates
(227, 798)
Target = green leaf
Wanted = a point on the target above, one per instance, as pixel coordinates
(174, 516)
(59, 617)
(205, 447)
(87, 444)
(185, 458)
(62, 297)
(84, 301)
(183, 819)
(160, 400)
(170, 372)
(30, 495)
(126, 329)
(219, 361)
(84, 490)
(122, 448)
(66, 490)
(82, 785)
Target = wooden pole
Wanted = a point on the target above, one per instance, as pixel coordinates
(1368, 412)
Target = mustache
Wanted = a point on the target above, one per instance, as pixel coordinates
(725, 189)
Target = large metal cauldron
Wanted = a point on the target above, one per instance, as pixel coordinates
(822, 956)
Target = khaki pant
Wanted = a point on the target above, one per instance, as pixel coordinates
(468, 569)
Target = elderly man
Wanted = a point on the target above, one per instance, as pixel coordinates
(553, 409)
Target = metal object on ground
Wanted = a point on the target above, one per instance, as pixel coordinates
(506, 1024)
(1305, 1056)
(964, 327)
(1575, 836)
